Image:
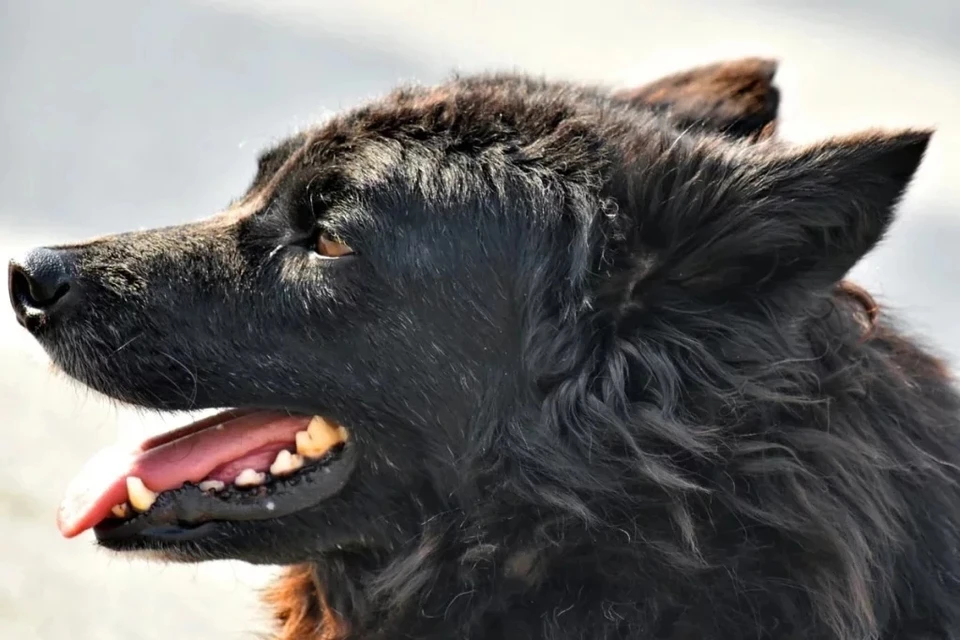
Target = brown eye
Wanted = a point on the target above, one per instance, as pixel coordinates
(330, 247)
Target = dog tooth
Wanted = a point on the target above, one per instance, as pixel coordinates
(250, 478)
(310, 448)
(320, 427)
(141, 498)
(280, 461)
(319, 438)
(121, 510)
(211, 485)
(286, 463)
(304, 443)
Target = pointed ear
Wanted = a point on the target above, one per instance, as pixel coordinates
(736, 97)
(765, 217)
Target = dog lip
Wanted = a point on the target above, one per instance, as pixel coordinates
(188, 508)
(170, 534)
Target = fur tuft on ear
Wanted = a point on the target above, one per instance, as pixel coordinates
(735, 97)
(763, 217)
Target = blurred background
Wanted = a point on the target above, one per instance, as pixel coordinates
(116, 115)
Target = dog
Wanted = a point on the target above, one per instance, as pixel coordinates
(515, 358)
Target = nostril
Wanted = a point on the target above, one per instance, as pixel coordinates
(19, 285)
(35, 293)
(38, 281)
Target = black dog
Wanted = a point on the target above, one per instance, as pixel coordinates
(585, 363)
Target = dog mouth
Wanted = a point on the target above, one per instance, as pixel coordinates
(236, 465)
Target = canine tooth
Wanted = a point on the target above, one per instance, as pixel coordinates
(319, 438)
(121, 510)
(319, 427)
(250, 478)
(141, 498)
(211, 485)
(304, 443)
(286, 463)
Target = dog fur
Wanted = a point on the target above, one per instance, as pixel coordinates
(597, 353)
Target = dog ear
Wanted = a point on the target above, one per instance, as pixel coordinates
(736, 97)
(754, 218)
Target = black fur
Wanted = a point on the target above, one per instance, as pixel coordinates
(594, 360)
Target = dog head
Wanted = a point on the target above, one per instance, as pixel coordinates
(467, 285)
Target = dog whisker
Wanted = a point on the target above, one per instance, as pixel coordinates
(192, 396)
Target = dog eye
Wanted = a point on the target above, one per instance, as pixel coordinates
(331, 247)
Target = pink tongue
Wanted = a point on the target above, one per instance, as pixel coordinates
(164, 463)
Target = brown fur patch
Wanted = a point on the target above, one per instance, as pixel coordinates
(736, 96)
(905, 354)
(300, 607)
(870, 312)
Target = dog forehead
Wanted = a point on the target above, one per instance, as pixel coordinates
(423, 136)
(504, 123)
(464, 116)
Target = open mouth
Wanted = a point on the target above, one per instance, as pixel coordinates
(236, 465)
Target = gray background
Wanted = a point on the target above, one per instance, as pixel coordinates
(116, 115)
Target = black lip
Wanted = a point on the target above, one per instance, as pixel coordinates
(188, 513)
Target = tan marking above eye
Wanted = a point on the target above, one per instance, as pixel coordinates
(330, 247)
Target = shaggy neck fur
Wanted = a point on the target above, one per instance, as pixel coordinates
(792, 531)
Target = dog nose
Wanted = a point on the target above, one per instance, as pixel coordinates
(39, 282)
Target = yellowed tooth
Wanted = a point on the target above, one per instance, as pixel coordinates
(121, 510)
(286, 463)
(319, 438)
(141, 498)
(320, 427)
(211, 485)
(250, 478)
(304, 443)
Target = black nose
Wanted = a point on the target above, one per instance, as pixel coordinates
(39, 283)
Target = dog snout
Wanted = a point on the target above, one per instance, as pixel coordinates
(40, 282)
